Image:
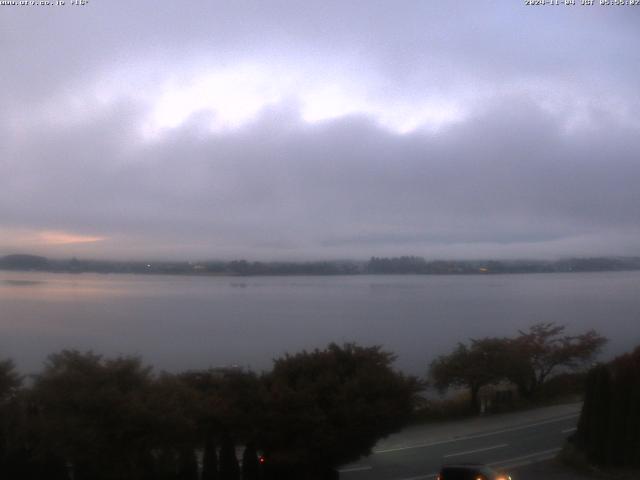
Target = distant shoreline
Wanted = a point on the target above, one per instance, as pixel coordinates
(406, 265)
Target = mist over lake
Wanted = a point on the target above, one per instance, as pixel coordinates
(182, 322)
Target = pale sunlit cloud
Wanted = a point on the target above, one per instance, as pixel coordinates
(230, 97)
(221, 98)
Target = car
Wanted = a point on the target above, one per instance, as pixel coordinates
(470, 471)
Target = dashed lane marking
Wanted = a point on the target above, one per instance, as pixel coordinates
(355, 469)
(527, 459)
(502, 445)
(420, 477)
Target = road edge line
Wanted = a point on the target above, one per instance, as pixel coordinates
(479, 435)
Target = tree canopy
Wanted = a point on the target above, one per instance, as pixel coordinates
(10, 380)
(90, 417)
(543, 349)
(481, 363)
(328, 407)
(94, 410)
(528, 360)
(609, 426)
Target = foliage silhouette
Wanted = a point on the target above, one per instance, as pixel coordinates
(481, 363)
(229, 467)
(528, 360)
(536, 354)
(250, 464)
(210, 459)
(329, 407)
(89, 417)
(609, 427)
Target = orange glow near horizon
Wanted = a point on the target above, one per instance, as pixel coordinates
(65, 238)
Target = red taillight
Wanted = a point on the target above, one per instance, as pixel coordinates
(261, 459)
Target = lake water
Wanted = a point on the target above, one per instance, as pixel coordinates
(179, 322)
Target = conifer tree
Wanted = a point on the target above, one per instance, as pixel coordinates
(187, 464)
(229, 468)
(250, 464)
(210, 459)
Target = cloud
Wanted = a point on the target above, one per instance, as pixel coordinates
(285, 188)
(65, 238)
(18, 239)
(329, 130)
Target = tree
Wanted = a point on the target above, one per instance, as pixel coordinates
(230, 407)
(22, 452)
(544, 349)
(329, 407)
(209, 459)
(10, 381)
(93, 413)
(173, 408)
(481, 363)
(229, 467)
(250, 464)
(231, 400)
(187, 464)
(609, 426)
(166, 464)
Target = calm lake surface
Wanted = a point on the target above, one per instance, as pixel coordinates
(176, 323)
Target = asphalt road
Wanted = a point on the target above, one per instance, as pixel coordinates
(511, 441)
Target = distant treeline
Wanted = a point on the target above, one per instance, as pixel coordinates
(376, 265)
(418, 265)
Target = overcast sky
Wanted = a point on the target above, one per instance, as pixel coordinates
(316, 130)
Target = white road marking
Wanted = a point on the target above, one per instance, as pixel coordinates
(567, 430)
(421, 477)
(355, 469)
(476, 450)
(525, 459)
(512, 462)
(480, 435)
(543, 455)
